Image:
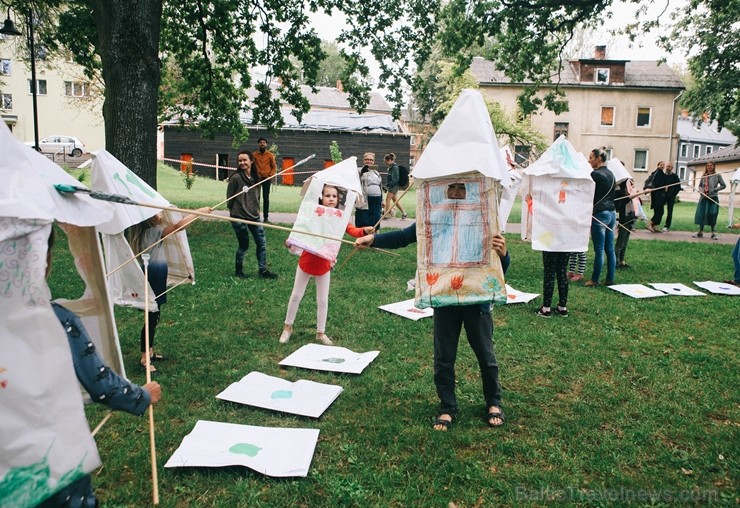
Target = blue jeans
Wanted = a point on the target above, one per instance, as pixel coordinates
(242, 235)
(736, 260)
(603, 225)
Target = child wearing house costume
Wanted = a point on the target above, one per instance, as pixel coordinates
(319, 268)
(448, 322)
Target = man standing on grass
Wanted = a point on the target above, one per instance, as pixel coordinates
(671, 179)
(266, 169)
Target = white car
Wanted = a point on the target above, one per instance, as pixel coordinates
(58, 144)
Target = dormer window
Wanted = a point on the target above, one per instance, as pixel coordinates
(601, 76)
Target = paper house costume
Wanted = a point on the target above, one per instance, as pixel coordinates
(456, 264)
(558, 200)
(127, 284)
(734, 182)
(315, 218)
(45, 443)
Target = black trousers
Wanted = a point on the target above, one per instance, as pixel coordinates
(448, 323)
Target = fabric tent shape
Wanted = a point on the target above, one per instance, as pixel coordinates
(332, 222)
(556, 209)
(111, 176)
(45, 443)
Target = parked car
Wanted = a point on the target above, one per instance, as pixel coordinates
(58, 144)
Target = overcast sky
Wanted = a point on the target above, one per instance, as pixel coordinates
(618, 48)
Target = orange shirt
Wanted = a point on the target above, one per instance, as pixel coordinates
(265, 162)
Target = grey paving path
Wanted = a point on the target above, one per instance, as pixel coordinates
(638, 234)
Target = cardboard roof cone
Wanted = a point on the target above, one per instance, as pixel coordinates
(558, 200)
(508, 196)
(111, 176)
(456, 264)
(46, 442)
(620, 172)
(316, 218)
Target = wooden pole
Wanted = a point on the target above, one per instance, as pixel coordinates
(147, 364)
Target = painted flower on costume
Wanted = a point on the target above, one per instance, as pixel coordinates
(492, 285)
(320, 211)
(432, 278)
(457, 282)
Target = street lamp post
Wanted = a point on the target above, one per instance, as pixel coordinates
(10, 29)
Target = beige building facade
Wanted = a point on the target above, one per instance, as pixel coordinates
(69, 104)
(628, 107)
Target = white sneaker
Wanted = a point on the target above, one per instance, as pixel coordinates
(285, 336)
(324, 339)
(665, 230)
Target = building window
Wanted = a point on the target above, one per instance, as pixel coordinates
(609, 153)
(684, 150)
(5, 66)
(697, 151)
(643, 117)
(682, 173)
(6, 101)
(601, 76)
(412, 140)
(40, 88)
(607, 116)
(76, 89)
(412, 162)
(641, 160)
(709, 149)
(521, 154)
(561, 129)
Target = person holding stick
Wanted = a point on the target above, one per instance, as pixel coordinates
(102, 384)
(318, 268)
(448, 323)
(673, 187)
(247, 206)
(707, 208)
(141, 236)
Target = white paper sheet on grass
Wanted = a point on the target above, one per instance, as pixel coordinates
(330, 358)
(407, 310)
(515, 296)
(270, 451)
(305, 398)
(677, 289)
(637, 290)
(719, 288)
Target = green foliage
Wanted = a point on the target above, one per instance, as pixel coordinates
(440, 84)
(335, 153)
(188, 177)
(329, 69)
(707, 33)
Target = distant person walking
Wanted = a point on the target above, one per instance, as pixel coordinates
(654, 185)
(394, 185)
(264, 160)
(707, 208)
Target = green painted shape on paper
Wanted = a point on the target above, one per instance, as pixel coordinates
(282, 394)
(333, 360)
(26, 485)
(247, 449)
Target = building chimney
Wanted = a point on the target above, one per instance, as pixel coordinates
(600, 53)
(339, 85)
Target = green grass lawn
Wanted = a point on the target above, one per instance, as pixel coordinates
(623, 398)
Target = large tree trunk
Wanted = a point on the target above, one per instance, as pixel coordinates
(128, 44)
